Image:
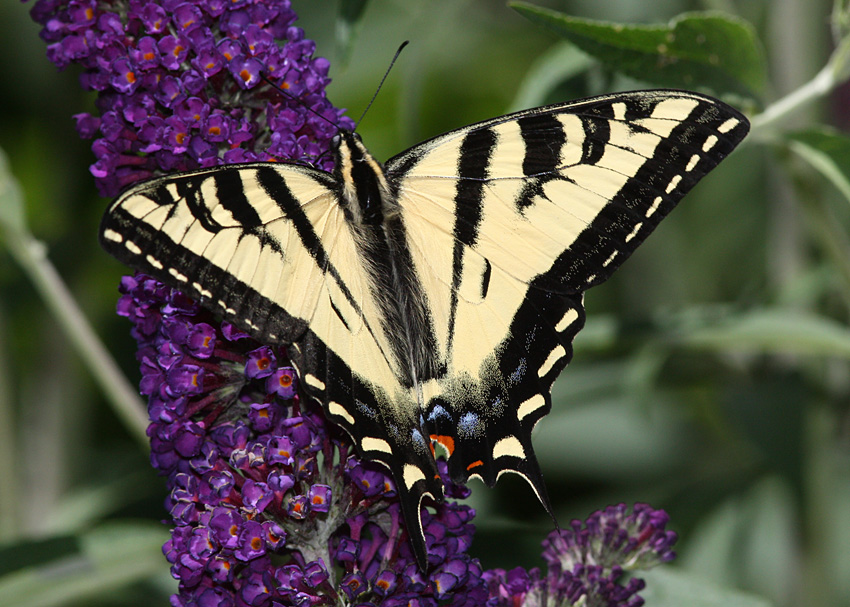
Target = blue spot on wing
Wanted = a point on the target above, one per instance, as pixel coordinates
(469, 425)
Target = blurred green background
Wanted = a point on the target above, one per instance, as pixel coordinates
(712, 379)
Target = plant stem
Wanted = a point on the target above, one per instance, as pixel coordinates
(775, 113)
(31, 255)
(819, 474)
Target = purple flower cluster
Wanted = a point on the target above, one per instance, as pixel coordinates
(269, 504)
(271, 507)
(587, 562)
(180, 84)
(615, 536)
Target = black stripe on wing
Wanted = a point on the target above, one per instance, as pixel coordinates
(678, 163)
(473, 162)
(134, 241)
(213, 287)
(383, 432)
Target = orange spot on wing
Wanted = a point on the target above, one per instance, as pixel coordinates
(475, 464)
(446, 441)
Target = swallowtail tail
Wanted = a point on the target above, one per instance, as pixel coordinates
(433, 299)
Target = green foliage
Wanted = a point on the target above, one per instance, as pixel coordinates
(827, 151)
(707, 50)
(712, 379)
(87, 567)
(667, 588)
(350, 13)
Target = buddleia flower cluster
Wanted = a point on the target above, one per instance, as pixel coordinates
(256, 473)
(270, 505)
(587, 562)
(180, 84)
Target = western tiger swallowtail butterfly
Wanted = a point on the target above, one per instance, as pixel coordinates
(433, 299)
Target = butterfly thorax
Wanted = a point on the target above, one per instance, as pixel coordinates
(372, 213)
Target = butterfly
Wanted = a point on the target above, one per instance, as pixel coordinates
(434, 299)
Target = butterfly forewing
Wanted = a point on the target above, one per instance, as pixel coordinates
(268, 247)
(449, 321)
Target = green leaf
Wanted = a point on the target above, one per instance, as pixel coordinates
(827, 151)
(20, 555)
(707, 49)
(562, 62)
(786, 331)
(666, 587)
(748, 541)
(350, 12)
(109, 557)
(82, 507)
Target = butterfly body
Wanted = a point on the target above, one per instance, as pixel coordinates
(433, 299)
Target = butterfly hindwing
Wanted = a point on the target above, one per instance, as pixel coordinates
(435, 300)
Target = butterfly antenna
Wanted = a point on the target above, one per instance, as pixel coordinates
(298, 100)
(378, 90)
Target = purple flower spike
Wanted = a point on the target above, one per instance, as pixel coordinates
(613, 536)
(149, 46)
